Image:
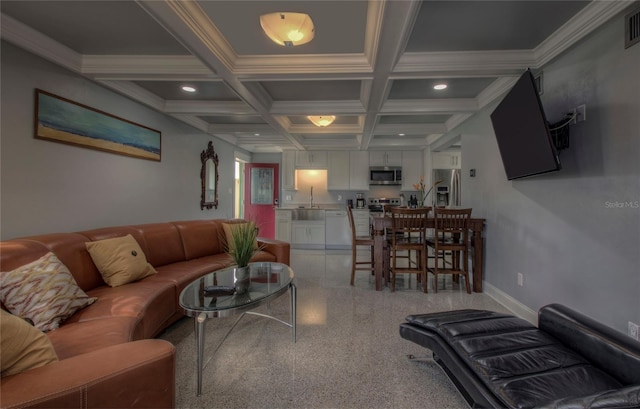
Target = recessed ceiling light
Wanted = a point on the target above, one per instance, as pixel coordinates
(440, 87)
(400, 134)
(188, 88)
(256, 134)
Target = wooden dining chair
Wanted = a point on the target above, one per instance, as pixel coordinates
(451, 235)
(408, 230)
(356, 241)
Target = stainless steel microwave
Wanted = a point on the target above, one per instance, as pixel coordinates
(385, 175)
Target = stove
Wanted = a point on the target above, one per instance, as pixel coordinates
(376, 204)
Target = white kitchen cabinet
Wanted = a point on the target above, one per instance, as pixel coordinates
(411, 169)
(307, 235)
(385, 158)
(311, 160)
(289, 170)
(337, 170)
(446, 160)
(359, 170)
(283, 225)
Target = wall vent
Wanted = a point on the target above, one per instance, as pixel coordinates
(632, 28)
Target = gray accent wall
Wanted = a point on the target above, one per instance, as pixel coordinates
(52, 187)
(573, 234)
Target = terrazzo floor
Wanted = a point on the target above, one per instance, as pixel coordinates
(348, 353)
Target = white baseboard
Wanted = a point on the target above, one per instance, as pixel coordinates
(511, 303)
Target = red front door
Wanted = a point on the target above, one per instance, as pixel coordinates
(260, 196)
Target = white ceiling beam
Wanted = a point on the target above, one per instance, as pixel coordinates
(23, 36)
(395, 25)
(429, 106)
(208, 107)
(188, 23)
(466, 63)
(409, 129)
(317, 108)
(171, 65)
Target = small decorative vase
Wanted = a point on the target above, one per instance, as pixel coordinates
(243, 279)
(420, 203)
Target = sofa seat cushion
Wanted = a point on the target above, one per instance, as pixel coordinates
(151, 303)
(183, 273)
(520, 364)
(77, 338)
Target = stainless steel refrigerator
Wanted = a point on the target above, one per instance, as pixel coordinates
(446, 193)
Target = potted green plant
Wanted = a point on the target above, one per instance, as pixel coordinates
(242, 245)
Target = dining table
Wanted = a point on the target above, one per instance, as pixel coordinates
(380, 221)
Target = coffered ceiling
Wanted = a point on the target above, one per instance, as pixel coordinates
(372, 63)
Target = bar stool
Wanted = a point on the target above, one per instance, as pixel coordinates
(451, 228)
(359, 241)
(408, 230)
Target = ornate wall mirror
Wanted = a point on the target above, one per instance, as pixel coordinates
(209, 178)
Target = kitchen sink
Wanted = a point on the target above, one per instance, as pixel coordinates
(308, 214)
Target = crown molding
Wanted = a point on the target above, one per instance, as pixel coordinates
(375, 12)
(495, 90)
(208, 107)
(408, 129)
(422, 106)
(193, 121)
(237, 129)
(135, 92)
(342, 64)
(23, 36)
(145, 65)
(473, 63)
(456, 120)
(317, 108)
(196, 20)
(584, 22)
(327, 130)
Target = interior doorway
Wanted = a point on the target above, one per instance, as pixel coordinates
(238, 199)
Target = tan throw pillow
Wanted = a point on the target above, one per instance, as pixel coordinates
(229, 228)
(120, 260)
(23, 346)
(43, 291)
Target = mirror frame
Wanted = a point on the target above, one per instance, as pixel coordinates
(208, 154)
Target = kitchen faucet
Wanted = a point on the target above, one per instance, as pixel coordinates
(311, 198)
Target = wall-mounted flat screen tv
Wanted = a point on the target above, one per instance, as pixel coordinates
(522, 132)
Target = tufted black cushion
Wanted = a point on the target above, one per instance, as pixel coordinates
(523, 366)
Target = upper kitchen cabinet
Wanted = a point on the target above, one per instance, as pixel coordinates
(338, 170)
(445, 160)
(359, 170)
(348, 170)
(311, 160)
(382, 158)
(411, 169)
(289, 170)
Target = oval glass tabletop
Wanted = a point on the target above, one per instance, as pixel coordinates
(228, 291)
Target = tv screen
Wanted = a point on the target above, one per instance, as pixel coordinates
(522, 132)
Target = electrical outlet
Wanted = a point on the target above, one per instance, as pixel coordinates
(288, 198)
(339, 198)
(520, 279)
(634, 331)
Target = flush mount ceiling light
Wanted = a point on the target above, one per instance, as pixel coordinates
(188, 88)
(287, 29)
(322, 120)
(440, 87)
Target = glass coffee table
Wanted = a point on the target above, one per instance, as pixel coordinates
(228, 292)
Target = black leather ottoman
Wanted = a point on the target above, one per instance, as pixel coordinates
(498, 360)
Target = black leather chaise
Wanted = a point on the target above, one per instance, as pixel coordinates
(500, 361)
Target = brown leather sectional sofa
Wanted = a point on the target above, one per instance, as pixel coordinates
(106, 351)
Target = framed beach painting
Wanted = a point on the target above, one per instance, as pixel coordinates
(61, 120)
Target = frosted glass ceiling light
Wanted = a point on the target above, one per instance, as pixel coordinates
(440, 87)
(322, 120)
(287, 29)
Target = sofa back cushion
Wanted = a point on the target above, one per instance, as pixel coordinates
(200, 237)
(163, 243)
(68, 247)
